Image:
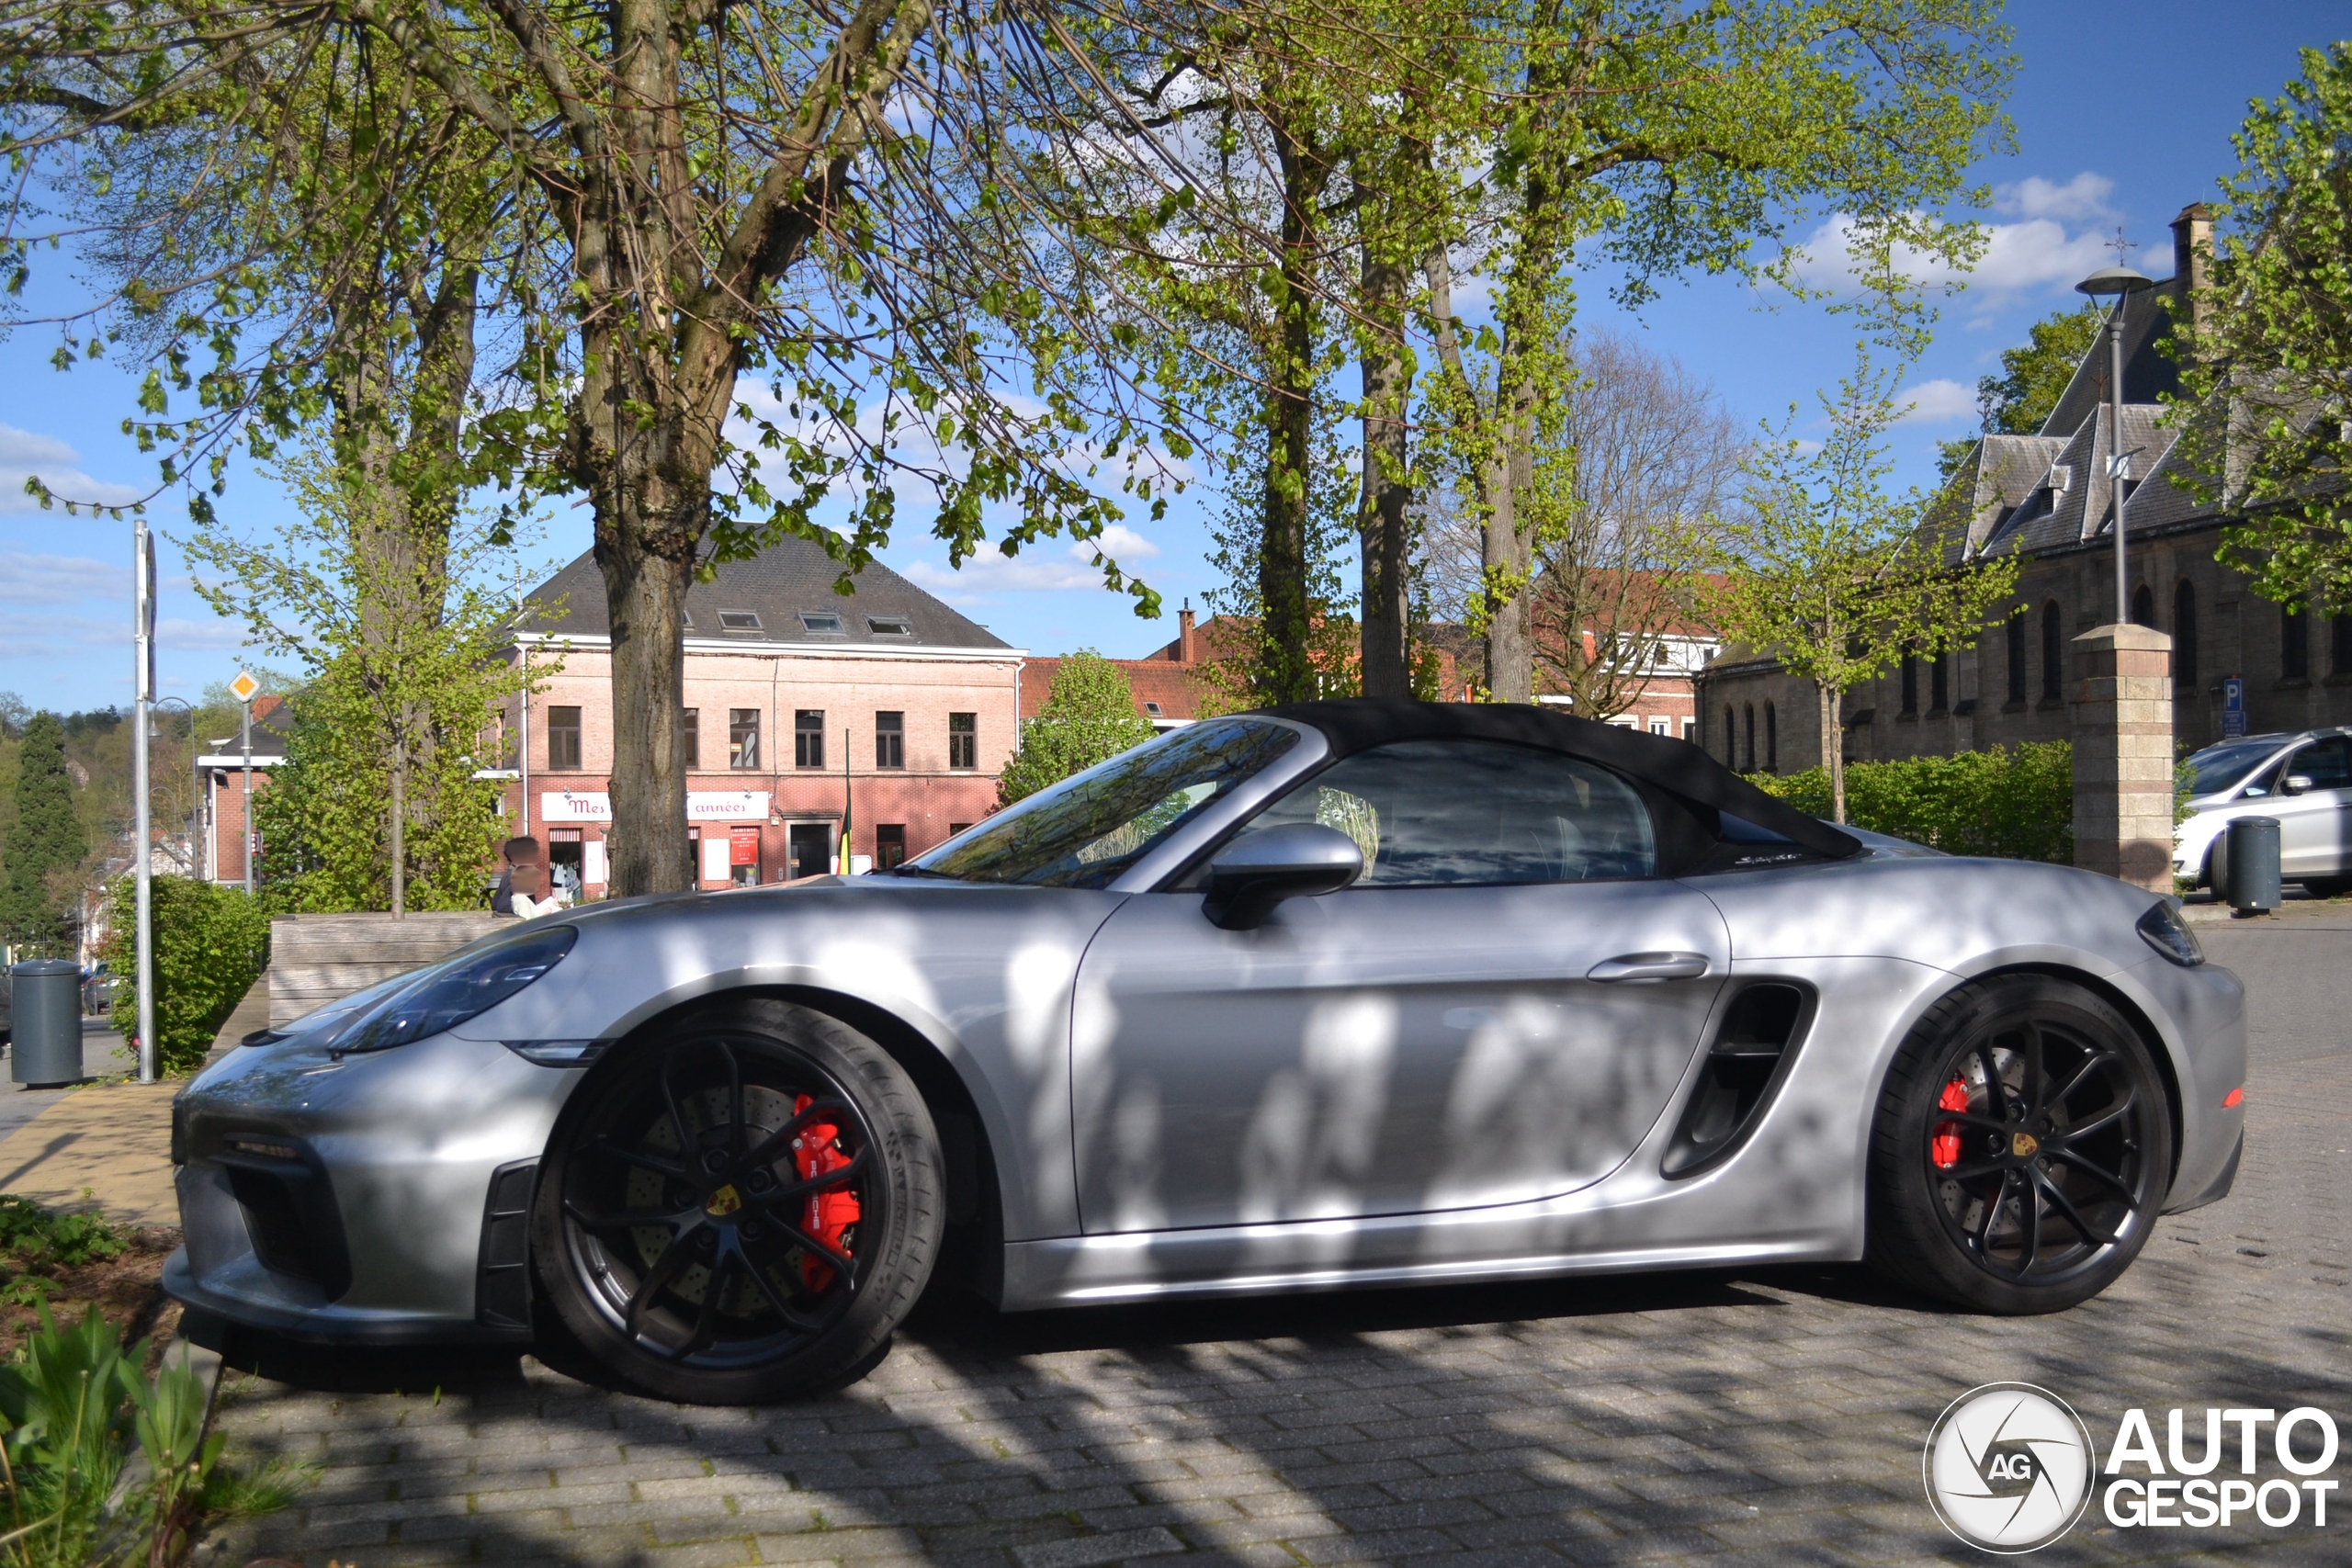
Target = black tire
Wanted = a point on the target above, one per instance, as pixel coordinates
(696, 1157)
(2327, 887)
(2064, 1086)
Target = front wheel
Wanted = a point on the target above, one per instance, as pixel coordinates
(2022, 1150)
(740, 1208)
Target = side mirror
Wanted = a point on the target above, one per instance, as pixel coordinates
(2294, 784)
(1259, 870)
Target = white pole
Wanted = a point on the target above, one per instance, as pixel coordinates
(142, 704)
(246, 729)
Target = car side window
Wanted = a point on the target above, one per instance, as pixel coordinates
(1470, 813)
(2327, 763)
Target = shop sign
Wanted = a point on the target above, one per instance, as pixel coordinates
(702, 806)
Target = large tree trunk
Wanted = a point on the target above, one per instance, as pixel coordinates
(1507, 554)
(1381, 527)
(1285, 673)
(647, 595)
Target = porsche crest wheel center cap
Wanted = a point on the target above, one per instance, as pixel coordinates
(723, 1203)
(2024, 1146)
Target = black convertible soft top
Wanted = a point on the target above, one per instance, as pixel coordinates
(1356, 724)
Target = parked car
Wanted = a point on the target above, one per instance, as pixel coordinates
(2304, 781)
(97, 989)
(1337, 994)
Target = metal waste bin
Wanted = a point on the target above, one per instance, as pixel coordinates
(2249, 879)
(47, 1048)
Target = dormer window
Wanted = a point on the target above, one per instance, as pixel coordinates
(821, 623)
(738, 620)
(2061, 477)
(1153, 709)
(890, 625)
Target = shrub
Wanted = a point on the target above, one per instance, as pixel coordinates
(211, 944)
(32, 1234)
(2015, 805)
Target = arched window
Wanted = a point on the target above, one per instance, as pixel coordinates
(2294, 643)
(2054, 653)
(1910, 670)
(1771, 740)
(2143, 606)
(2340, 626)
(2016, 657)
(2184, 634)
(1751, 737)
(1731, 739)
(1940, 683)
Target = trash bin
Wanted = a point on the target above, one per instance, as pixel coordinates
(48, 1022)
(2250, 864)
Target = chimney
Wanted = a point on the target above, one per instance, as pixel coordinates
(1187, 640)
(2192, 255)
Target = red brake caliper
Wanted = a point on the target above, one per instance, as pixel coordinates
(1945, 1147)
(832, 1210)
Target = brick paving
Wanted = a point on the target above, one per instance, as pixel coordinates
(1770, 1417)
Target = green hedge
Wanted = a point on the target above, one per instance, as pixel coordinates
(2017, 805)
(211, 943)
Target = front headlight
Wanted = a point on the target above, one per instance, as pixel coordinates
(2163, 928)
(444, 997)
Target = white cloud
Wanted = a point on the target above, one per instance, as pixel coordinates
(1123, 543)
(58, 580)
(1038, 570)
(25, 453)
(2035, 254)
(174, 633)
(1939, 401)
(2085, 195)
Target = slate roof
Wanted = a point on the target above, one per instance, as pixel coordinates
(777, 589)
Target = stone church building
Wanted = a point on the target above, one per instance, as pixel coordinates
(2045, 497)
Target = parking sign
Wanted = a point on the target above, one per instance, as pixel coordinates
(2233, 705)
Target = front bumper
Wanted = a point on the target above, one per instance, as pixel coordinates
(379, 1198)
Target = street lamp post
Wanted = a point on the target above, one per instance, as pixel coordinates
(142, 555)
(2121, 282)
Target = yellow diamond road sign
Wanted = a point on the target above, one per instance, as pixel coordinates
(244, 685)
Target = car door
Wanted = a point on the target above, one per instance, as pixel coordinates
(1497, 1012)
(2312, 837)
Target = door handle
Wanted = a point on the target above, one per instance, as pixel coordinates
(1650, 967)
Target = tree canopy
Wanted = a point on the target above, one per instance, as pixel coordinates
(2267, 361)
(1089, 716)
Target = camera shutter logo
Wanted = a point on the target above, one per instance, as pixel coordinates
(2008, 1467)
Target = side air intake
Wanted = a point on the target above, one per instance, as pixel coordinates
(1749, 1056)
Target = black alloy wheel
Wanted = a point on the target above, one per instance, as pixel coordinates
(2023, 1148)
(741, 1208)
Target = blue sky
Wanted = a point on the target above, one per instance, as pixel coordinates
(2116, 125)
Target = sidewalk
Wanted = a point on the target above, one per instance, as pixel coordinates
(108, 1145)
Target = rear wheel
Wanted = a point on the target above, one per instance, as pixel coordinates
(2022, 1150)
(2327, 887)
(741, 1209)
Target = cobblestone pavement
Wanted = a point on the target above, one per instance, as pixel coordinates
(1764, 1416)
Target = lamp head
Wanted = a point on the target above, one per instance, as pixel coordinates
(2108, 281)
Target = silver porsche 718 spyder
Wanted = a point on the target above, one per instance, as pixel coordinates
(1341, 994)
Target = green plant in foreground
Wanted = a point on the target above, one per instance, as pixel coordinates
(69, 1409)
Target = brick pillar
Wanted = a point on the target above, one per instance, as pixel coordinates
(2123, 761)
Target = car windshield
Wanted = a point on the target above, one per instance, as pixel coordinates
(1087, 829)
(2217, 767)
